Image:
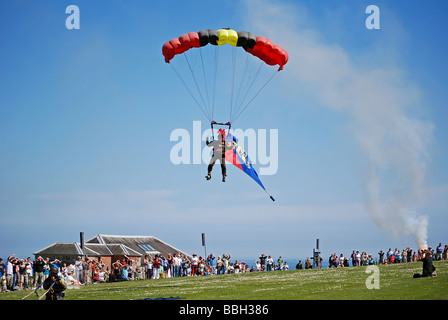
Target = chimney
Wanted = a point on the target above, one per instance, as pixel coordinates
(81, 236)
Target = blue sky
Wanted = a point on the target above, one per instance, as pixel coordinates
(86, 117)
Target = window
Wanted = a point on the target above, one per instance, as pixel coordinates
(147, 247)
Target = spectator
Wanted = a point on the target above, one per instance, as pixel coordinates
(280, 262)
(23, 274)
(64, 270)
(163, 269)
(262, 258)
(211, 261)
(269, 263)
(358, 259)
(397, 256)
(38, 266)
(177, 266)
(125, 273)
(308, 264)
(71, 281)
(186, 267)
(194, 265)
(4, 287)
(155, 267)
(79, 267)
(404, 256)
(101, 276)
(219, 265)
(46, 268)
(415, 257)
(116, 272)
(225, 259)
(16, 273)
(2, 268)
(170, 261)
(392, 259)
(10, 272)
(148, 267)
(389, 255)
(409, 253)
(201, 266)
(341, 260)
(71, 269)
(365, 259)
(333, 260)
(236, 267)
(29, 270)
(230, 268)
(381, 257)
(439, 252)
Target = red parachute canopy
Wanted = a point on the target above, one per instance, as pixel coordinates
(261, 47)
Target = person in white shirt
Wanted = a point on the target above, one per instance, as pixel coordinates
(194, 264)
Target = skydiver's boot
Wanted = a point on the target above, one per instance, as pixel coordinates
(223, 178)
(208, 177)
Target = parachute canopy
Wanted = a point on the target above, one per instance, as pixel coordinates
(259, 46)
(229, 77)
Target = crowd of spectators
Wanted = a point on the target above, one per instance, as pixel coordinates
(390, 256)
(23, 274)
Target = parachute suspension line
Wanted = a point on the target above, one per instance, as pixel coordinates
(215, 76)
(197, 85)
(248, 81)
(191, 93)
(233, 80)
(205, 81)
(269, 80)
(243, 83)
(249, 84)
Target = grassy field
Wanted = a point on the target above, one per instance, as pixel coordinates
(395, 283)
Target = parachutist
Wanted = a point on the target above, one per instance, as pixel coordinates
(219, 148)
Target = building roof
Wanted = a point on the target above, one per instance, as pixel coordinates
(111, 245)
(61, 248)
(145, 245)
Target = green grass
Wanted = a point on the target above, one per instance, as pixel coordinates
(396, 283)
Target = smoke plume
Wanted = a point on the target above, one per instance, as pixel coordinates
(379, 101)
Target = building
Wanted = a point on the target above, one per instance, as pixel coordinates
(108, 248)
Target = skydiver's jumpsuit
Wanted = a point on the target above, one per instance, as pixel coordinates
(218, 153)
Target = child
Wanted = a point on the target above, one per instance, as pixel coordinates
(3, 283)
